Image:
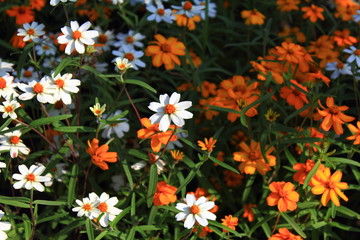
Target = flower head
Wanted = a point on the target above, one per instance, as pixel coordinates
(23, 14)
(98, 110)
(195, 211)
(30, 178)
(283, 195)
(313, 13)
(131, 40)
(118, 125)
(4, 226)
(43, 90)
(208, 144)
(122, 64)
(87, 207)
(159, 13)
(170, 110)
(8, 108)
(253, 17)
(303, 170)
(106, 207)
(165, 194)
(188, 9)
(248, 212)
(285, 234)
(76, 37)
(355, 131)
(64, 85)
(100, 155)
(230, 222)
(31, 32)
(12, 142)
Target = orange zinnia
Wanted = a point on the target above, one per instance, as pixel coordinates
(253, 17)
(208, 144)
(37, 4)
(248, 212)
(285, 234)
(252, 159)
(290, 52)
(283, 195)
(293, 96)
(333, 116)
(230, 222)
(165, 51)
(356, 133)
(165, 194)
(303, 170)
(232, 179)
(22, 14)
(183, 21)
(157, 137)
(313, 13)
(100, 155)
(343, 38)
(287, 5)
(329, 186)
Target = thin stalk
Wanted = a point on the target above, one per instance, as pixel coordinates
(33, 219)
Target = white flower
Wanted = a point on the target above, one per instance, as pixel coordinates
(12, 142)
(170, 109)
(106, 207)
(46, 47)
(26, 75)
(131, 39)
(4, 226)
(98, 110)
(30, 178)
(115, 2)
(117, 127)
(51, 62)
(31, 32)
(43, 90)
(354, 55)
(8, 108)
(75, 37)
(159, 13)
(7, 87)
(64, 85)
(195, 211)
(154, 159)
(132, 56)
(211, 8)
(338, 69)
(5, 67)
(188, 9)
(87, 207)
(55, 2)
(122, 64)
(2, 165)
(105, 39)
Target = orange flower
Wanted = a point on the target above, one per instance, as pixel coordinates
(207, 88)
(232, 179)
(253, 17)
(196, 60)
(333, 116)
(329, 186)
(208, 144)
(165, 51)
(290, 52)
(165, 194)
(283, 195)
(183, 20)
(355, 131)
(321, 44)
(303, 170)
(285, 234)
(100, 155)
(343, 38)
(313, 13)
(346, 10)
(287, 5)
(293, 96)
(230, 222)
(158, 138)
(248, 212)
(252, 159)
(37, 4)
(318, 75)
(177, 155)
(17, 41)
(23, 14)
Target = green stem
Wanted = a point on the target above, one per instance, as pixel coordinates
(33, 218)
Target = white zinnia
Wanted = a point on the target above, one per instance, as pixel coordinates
(4, 226)
(106, 207)
(7, 87)
(195, 211)
(131, 55)
(30, 178)
(43, 90)
(87, 207)
(12, 142)
(55, 2)
(64, 85)
(354, 55)
(5, 67)
(119, 128)
(31, 32)
(75, 37)
(170, 109)
(8, 108)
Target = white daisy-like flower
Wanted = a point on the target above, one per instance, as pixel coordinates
(354, 55)
(131, 55)
(154, 159)
(119, 128)
(159, 13)
(5, 67)
(87, 207)
(64, 85)
(26, 75)
(338, 69)
(55, 2)
(195, 211)
(106, 207)
(30, 178)
(188, 9)
(12, 142)
(77, 37)
(51, 62)
(105, 39)
(43, 90)
(131, 39)
(98, 110)
(46, 48)
(7, 87)
(122, 64)
(170, 109)
(8, 108)
(211, 8)
(4, 226)
(31, 32)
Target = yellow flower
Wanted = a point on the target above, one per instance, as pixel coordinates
(208, 144)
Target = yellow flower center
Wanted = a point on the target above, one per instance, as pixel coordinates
(357, 52)
(9, 109)
(87, 207)
(170, 109)
(129, 39)
(27, 73)
(254, 155)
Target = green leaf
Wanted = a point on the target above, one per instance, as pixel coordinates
(101, 235)
(72, 185)
(311, 174)
(15, 201)
(22, 58)
(348, 212)
(147, 228)
(120, 216)
(131, 234)
(27, 226)
(344, 161)
(224, 165)
(140, 83)
(138, 154)
(74, 129)
(73, 61)
(293, 224)
(219, 225)
(190, 177)
(49, 203)
(89, 229)
(128, 173)
(6, 123)
(248, 187)
(152, 185)
(344, 227)
(261, 223)
(222, 109)
(305, 205)
(56, 217)
(49, 120)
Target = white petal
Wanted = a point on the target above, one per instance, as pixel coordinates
(19, 184)
(156, 107)
(38, 186)
(208, 215)
(207, 205)
(87, 41)
(70, 47)
(79, 46)
(74, 25)
(155, 118)
(90, 34)
(189, 221)
(39, 170)
(201, 200)
(177, 120)
(183, 105)
(85, 26)
(202, 221)
(23, 170)
(164, 123)
(180, 216)
(175, 98)
(184, 114)
(164, 99)
(182, 207)
(190, 199)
